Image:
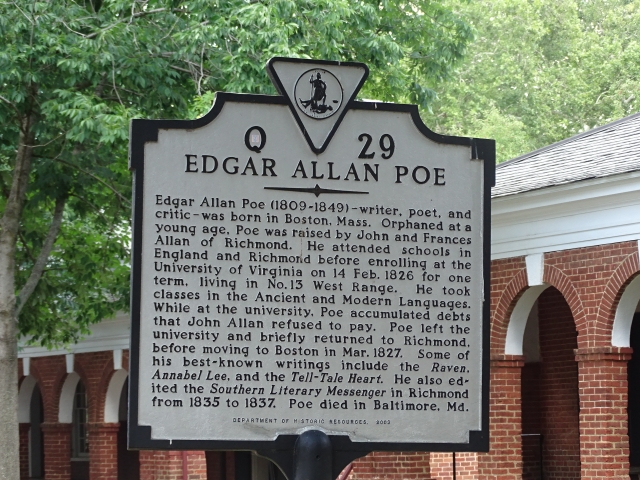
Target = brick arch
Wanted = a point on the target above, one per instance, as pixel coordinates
(80, 372)
(503, 308)
(602, 329)
(50, 383)
(561, 282)
(101, 391)
(90, 387)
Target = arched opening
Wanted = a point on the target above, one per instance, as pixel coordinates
(633, 412)
(31, 414)
(627, 306)
(626, 333)
(36, 440)
(550, 401)
(79, 434)
(128, 460)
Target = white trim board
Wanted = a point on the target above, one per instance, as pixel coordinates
(587, 213)
(110, 334)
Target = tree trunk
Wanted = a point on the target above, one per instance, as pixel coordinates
(9, 226)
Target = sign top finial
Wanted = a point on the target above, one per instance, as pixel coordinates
(319, 93)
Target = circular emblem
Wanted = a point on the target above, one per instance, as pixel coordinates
(318, 93)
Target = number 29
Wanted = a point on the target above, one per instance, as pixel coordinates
(387, 145)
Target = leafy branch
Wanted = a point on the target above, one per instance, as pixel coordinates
(96, 178)
(43, 257)
(12, 105)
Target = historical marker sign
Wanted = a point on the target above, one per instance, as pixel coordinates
(309, 261)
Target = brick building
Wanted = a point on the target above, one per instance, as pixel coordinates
(565, 291)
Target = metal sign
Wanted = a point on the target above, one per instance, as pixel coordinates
(309, 262)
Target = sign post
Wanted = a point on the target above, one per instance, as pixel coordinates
(310, 273)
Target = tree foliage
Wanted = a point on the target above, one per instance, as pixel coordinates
(72, 75)
(542, 70)
(81, 70)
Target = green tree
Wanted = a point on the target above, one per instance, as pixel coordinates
(72, 75)
(542, 70)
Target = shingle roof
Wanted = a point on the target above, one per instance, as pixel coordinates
(608, 150)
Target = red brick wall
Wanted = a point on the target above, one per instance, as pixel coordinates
(391, 466)
(169, 465)
(603, 413)
(504, 460)
(95, 369)
(161, 465)
(466, 465)
(57, 451)
(103, 451)
(196, 465)
(531, 422)
(50, 373)
(24, 450)
(508, 281)
(147, 465)
(442, 466)
(590, 280)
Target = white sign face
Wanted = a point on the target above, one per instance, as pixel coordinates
(281, 290)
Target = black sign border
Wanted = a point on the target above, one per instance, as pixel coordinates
(280, 450)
